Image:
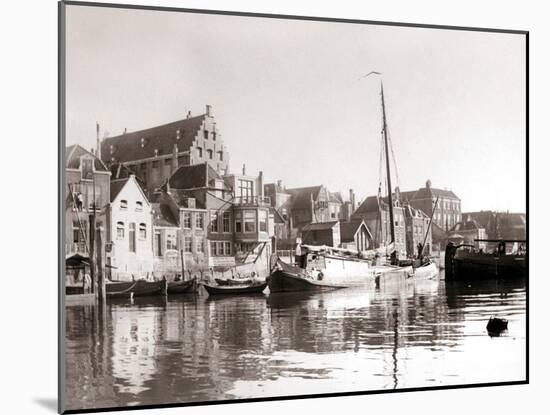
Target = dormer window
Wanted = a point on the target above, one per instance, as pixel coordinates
(139, 206)
(87, 167)
(123, 204)
(143, 142)
(156, 152)
(112, 148)
(178, 136)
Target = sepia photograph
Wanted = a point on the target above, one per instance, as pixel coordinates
(260, 207)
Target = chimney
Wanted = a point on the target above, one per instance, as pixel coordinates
(188, 114)
(352, 199)
(261, 184)
(125, 130)
(208, 110)
(175, 158)
(98, 141)
(244, 169)
(397, 194)
(280, 184)
(428, 184)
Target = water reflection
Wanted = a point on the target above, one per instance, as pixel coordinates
(194, 348)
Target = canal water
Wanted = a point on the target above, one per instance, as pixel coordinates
(191, 348)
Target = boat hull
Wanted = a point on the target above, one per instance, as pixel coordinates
(182, 287)
(284, 281)
(135, 288)
(232, 290)
(236, 282)
(476, 266)
(425, 272)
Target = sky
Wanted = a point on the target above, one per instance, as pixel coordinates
(287, 99)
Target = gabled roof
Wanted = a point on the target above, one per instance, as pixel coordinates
(349, 229)
(319, 226)
(431, 192)
(162, 216)
(467, 225)
(302, 196)
(129, 146)
(73, 154)
(335, 197)
(118, 184)
(181, 198)
(193, 176)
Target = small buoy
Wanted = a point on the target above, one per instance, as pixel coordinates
(496, 325)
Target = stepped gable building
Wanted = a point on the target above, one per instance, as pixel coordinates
(448, 210)
(156, 153)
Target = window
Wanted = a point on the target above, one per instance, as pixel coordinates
(214, 222)
(213, 251)
(139, 206)
(87, 169)
(199, 220)
(199, 150)
(171, 241)
(76, 231)
(168, 162)
(226, 222)
(187, 220)
(158, 244)
(123, 204)
(246, 189)
(210, 153)
(200, 245)
(155, 163)
(120, 230)
(238, 221)
(187, 244)
(142, 231)
(206, 134)
(214, 135)
(227, 248)
(249, 221)
(220, 155)
(132, 237)
(263, 220)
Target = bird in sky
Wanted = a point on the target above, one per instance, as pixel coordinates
(370, 73)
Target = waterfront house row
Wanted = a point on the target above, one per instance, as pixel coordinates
(198, 221)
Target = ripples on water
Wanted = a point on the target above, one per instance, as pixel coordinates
(196, 348)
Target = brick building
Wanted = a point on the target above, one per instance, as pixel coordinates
(448, 210)
(418, 231)
(154, 154)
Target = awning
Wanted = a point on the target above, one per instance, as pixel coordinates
(77, 260)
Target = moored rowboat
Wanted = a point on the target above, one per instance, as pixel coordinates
(182, 287)
(135, 288)
(243, 289)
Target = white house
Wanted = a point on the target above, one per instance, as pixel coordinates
(129, 231)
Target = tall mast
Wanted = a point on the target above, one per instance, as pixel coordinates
(385, 131)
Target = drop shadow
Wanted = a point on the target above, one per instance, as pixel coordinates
(48, 403)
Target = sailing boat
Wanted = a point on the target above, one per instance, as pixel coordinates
(321, 268)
